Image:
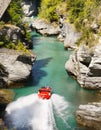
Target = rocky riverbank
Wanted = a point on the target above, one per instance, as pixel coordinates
(64, 31)
(85, 65)
(15, 67)
(90, 115)
(45, 28)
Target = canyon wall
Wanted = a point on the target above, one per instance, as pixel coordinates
(3, 6)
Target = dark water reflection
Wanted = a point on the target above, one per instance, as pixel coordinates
(37, 71)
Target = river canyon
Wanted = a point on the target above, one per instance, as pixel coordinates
(58, 113)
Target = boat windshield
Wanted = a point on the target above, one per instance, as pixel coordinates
(44, 90)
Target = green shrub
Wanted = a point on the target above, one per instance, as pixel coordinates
(15, 12)
(14, 16)
(21, 47)
(2, 24)
(1, 43)
(82, 13)
(48, 9)
(10, 46)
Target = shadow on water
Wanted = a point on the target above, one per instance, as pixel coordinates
(37, 72)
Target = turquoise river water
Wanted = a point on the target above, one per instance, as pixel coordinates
(28, 112)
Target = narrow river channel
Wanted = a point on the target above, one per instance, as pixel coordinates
(57, 113)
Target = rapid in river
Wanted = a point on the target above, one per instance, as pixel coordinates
(28, 112)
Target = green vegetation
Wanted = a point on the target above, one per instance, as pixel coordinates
(15, 12)
(12, 19)
(81, 13)
(6, 40)
(48, 9)
(2, 24)
(79, 10)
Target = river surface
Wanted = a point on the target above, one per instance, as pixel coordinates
(28, 112)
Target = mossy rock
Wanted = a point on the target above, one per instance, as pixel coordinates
(6, 96)
(2, 125)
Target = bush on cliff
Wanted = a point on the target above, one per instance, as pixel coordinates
(48, 9)
(13, 16)
(81, 13)
(14, 12)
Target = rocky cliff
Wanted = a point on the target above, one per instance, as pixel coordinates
(15, 67)
(90, 115)
(13, 34)
(85, 65)
(3, 6)
(68, 34)
(30, 7)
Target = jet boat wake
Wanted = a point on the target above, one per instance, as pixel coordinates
(33, 113)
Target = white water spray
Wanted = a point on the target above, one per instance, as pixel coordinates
(61, 106)
(32, 113)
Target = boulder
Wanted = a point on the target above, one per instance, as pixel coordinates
(45, 28)
(2, 125)
(6, 96)
(30, 7)
(15, 67)
(85, 65)
(27, 7)
(12, 32)
(90, 115)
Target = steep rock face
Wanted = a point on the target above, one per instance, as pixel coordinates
(15, 67)
(27, 7)
(45, 28)
(12, 32)
(30, 7)
(85, 65)
(71, 36)
(68, 34)
(89, 115)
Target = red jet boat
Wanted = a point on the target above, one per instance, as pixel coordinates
(44, 93)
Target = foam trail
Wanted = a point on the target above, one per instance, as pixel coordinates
(61, 107)
(30, 113)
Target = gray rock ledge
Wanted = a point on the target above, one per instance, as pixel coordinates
(15, 66)
(89, 115)
(45, 28)
(85, 65)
